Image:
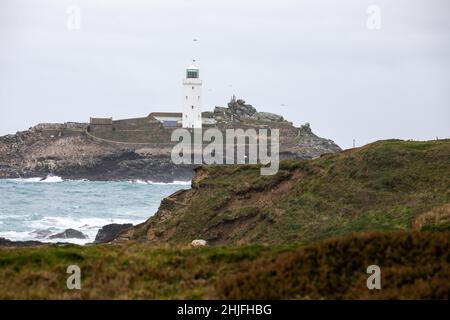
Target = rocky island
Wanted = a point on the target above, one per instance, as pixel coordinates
(138, 148)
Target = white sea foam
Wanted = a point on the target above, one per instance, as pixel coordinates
(16, 235)
(47, 179)
(138, 181)
(52, 179)
(181, 183)
(25, 180)
(175, 182)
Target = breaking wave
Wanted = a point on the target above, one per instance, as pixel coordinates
(181, 183)
(47, 179)
(51, 178)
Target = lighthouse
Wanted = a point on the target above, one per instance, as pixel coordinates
(192, 97)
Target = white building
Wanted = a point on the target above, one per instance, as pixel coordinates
(168, 119)
(192, 108)
(192, 94)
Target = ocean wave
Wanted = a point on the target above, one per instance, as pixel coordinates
(31, 206)
(138, 181)
(16, 235)
(63, 223)
(176, 182)
(25, 179)
(183, 183)
(48, 179)
(52, 179)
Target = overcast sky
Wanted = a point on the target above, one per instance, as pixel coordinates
(311, 61)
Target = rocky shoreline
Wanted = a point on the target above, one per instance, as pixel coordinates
(104, 235)
(30, 154)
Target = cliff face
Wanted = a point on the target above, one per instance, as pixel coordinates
(387, 185)
(36, 153)
(136, 148)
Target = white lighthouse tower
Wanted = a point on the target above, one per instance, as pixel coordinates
(192, 97)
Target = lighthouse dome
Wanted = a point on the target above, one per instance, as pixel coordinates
(192, 72)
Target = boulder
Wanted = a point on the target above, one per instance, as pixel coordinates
(69, 234)
(109, 232)
(268, 116)
(305, 129)
(199, 243)
(239, 109)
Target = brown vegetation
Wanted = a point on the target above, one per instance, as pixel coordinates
(413, 266)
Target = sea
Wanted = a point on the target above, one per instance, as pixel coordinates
(34, 207)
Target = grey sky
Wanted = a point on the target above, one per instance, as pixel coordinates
(317, 58)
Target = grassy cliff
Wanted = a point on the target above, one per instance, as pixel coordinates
(384, 186)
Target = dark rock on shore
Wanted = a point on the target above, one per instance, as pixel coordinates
(69, 234)
(9, 243)
(110, 231)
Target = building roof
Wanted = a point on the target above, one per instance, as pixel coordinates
(192, 67)
(167, 114)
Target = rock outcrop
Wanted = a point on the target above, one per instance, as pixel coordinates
(267, 116)
(69, 234)
(109, 232)
(238, 110)
(313, 146)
